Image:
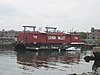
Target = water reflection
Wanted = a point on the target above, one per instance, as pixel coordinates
(45, 58)
(42, 62)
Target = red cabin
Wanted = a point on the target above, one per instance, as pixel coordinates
(57, 37)
(32, 37)
(75, 38)
(36, 37)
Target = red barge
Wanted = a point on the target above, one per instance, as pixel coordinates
(36, 40)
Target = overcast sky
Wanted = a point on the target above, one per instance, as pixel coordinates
(67, 15)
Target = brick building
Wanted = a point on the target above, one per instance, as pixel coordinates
(94, 34)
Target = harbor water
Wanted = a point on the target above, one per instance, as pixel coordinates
(43, 62)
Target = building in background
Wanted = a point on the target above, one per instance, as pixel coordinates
(94, 36)
(8, 34)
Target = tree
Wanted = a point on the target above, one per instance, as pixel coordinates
(83, 35)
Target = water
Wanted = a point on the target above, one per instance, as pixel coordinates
(43, 62)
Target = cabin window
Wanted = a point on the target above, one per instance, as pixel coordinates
(98, 38)
(51, 37)
(34, 37)
(76, 38)
(61, 37)
(93, 37)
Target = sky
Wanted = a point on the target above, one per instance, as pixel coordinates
(66, 15)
